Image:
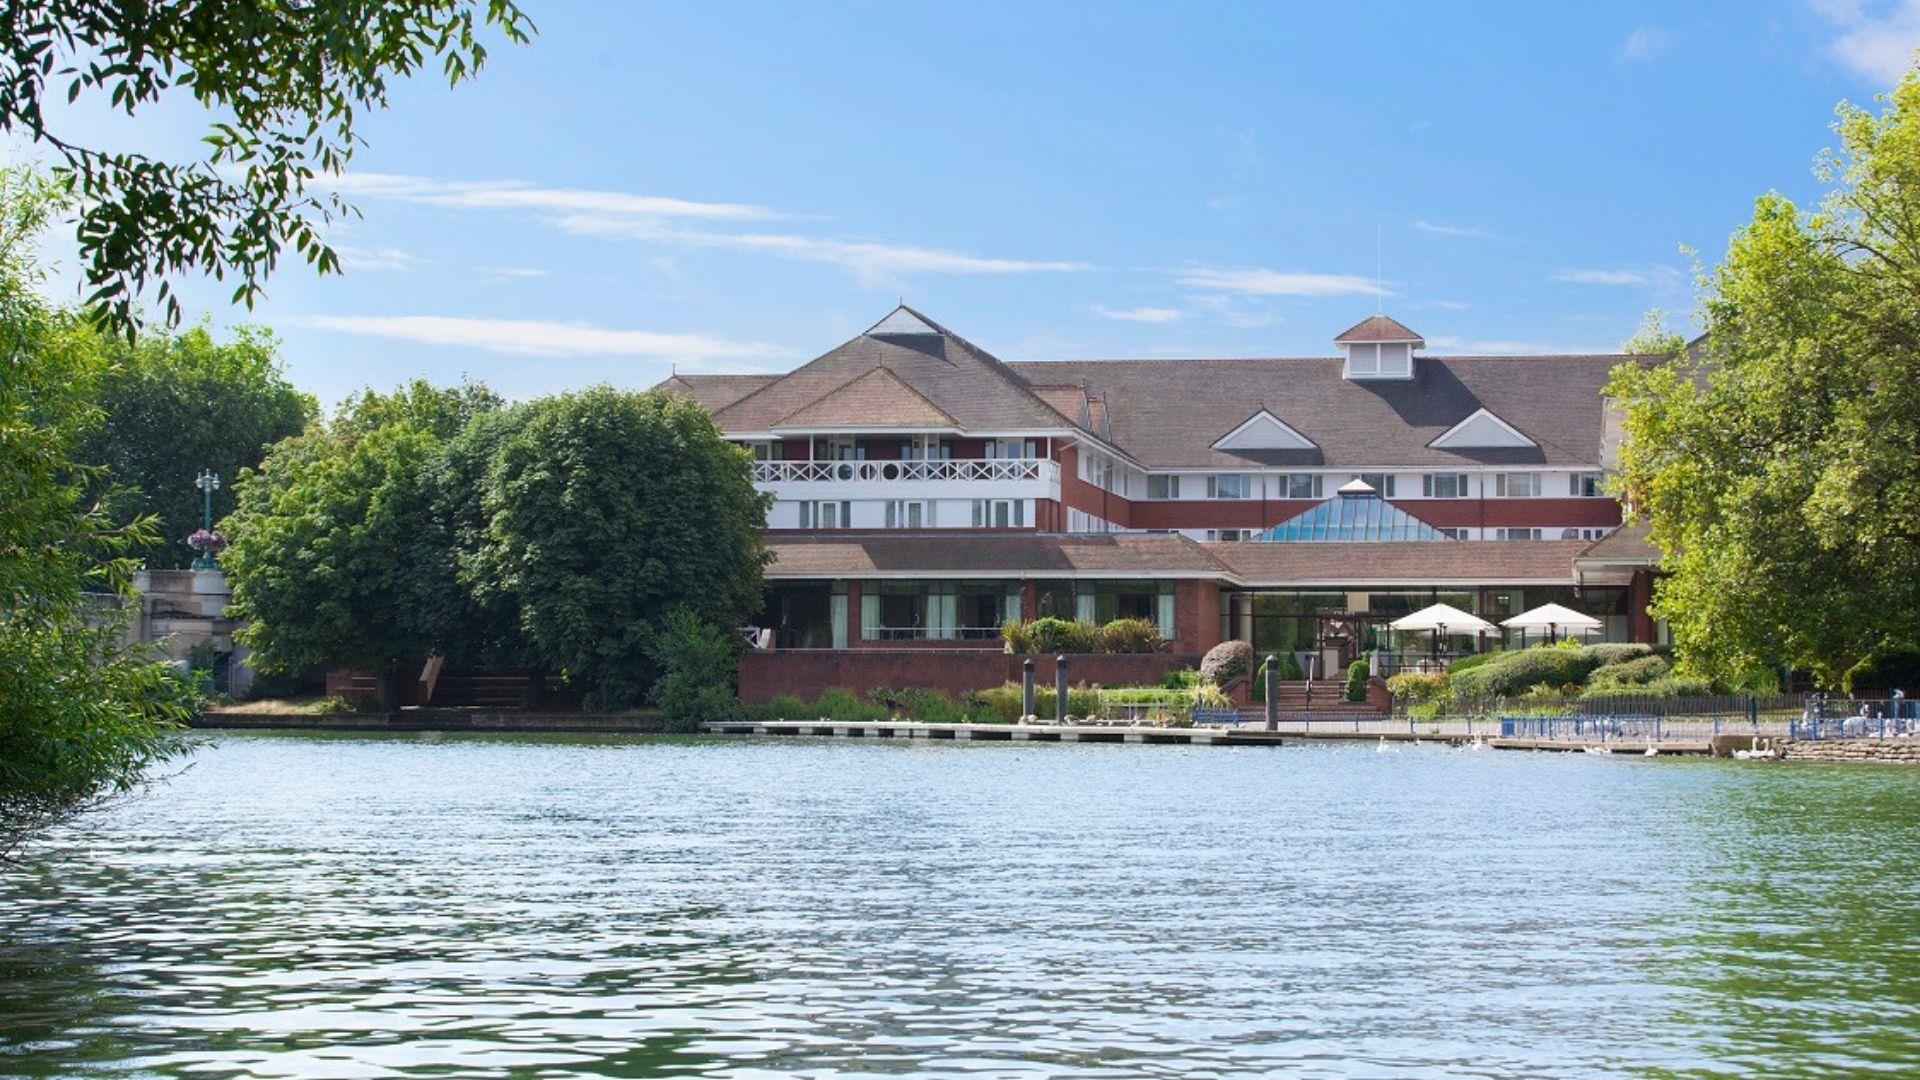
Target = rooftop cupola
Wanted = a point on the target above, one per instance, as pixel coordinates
(1379, 348)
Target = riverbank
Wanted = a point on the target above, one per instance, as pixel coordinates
(638, 722)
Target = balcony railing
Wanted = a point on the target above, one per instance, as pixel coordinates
(1001, 470)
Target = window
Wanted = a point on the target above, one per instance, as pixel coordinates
(1453, 534)
(840, 448)
(761, 449)
(1517, 485)
(1302, 485)
(1228, 534)
(1227, 486)
(1163, 487)
(999, 513)
(1013, 448)
(1584, 534)
(926, 448)
(1444, 485)
(1381, 483)
(1584, 485)
(1517, 534)
(909, 514)
(1363, 360)
(826, 515)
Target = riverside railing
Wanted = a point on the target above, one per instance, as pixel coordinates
(997, 470)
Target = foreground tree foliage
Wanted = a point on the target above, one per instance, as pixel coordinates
(606, 512)
(330, 560)
(1779, 466)
(286, 82)
(588, 535)
(173, 404)
(82, 715)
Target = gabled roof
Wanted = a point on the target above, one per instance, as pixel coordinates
(1628, 544)
(1378, 328)
(875, 400)
(1168, 413)
(1263, 431)
(972, 389)
(1482, 431)
(1357, 516)
(715, 392)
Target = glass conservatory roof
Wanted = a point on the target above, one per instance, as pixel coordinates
(1352, 515)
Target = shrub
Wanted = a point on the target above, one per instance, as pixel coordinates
(1003, 702)
(1512, 673)
(1418, 687)
(1053, 636)
(1018, 636)
(1357, 674)
(1128, 636)
(1290, 667)
(1628, 675)
(787, 707)
(697, 661)
(1182, 679)
(1610, 654)
(1226, 662)
(842, 705)
(928, 707)
(1468, 663)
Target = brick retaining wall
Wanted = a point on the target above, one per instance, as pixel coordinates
(808, 673)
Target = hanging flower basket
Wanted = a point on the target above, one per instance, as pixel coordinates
(207, 541)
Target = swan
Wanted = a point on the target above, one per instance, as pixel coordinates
(1594, 748)
(1652, 750)
(1383, 748)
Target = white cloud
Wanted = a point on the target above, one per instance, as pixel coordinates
(1139, 314)
(1601, 277)
(1876, 40)
(518, 195)
(1645, 43)
(514, 271)
(1260, 281)
(519, 337)
(386, 258)
(873, 261)
(1446, 305)
(1438, 229)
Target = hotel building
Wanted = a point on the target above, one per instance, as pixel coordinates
(925, 491)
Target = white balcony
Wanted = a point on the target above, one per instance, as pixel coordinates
(992, 478)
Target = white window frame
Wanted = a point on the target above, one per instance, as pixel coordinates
(1169, 485)
(1217, 483)
(1516, 485)
(1430, 486)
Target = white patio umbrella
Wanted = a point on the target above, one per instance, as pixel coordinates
(1441, 620)
(1551, 617)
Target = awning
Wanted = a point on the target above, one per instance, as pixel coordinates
(1551, 617)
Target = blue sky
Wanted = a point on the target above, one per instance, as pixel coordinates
(740, 187)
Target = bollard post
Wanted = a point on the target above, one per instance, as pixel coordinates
(1272, 676)
(1060, 689)
(1026, 687)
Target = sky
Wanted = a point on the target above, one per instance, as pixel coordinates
(721, 187)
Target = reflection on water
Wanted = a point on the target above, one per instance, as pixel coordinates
(367, 906)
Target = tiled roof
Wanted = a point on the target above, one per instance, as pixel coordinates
(1147, 555)
(877, 399)
(1167, 413)
(1626, 544)
(972, 387)
(1377, 328)
(1505, 562)
(715, 392)
(1021, 554)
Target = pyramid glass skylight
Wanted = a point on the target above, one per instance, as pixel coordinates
(1352, 516)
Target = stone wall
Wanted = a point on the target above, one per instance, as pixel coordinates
(1898, 751)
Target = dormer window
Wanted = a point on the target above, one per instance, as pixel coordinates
(1379, 348)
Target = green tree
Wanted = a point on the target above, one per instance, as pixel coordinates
(173, 404)
(285, 83)
(82, 714)
(331, 559)
(606, 511)
(1780, 468)
(1653, 338)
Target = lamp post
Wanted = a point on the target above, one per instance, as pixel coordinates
(208, 482)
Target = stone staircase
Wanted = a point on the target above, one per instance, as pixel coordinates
(1329, 701)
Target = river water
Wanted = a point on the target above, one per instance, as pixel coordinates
(299, 905)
